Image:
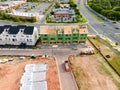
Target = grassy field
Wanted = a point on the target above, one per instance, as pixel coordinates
(114, 60)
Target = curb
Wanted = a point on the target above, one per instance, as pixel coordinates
(58, 73)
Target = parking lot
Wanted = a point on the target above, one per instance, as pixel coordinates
(22, 8)
(39, 7)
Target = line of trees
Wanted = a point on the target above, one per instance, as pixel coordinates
(40, 0)
(5, 16)
(108, 8)
(77, 12)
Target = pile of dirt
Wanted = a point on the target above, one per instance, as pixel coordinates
(11, 73)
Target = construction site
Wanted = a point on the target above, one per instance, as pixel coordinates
(29, 74)
(63, 34)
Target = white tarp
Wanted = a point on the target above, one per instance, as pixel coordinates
(33, 77)
(35, 86)
(25, 87)
(39, 76)
(39, 86)
(36, 67)
(26, 79)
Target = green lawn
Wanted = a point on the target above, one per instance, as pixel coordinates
(116, 63)
(114, 60)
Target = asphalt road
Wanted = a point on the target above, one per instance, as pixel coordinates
(106, 27)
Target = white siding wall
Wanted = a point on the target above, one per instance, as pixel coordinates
(17, 39)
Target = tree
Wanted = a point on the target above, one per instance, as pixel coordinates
(51, 12)
(62, 2)
(97, 8)
(117, 8)
(4, 16)
(77, 18)
(16, 19)
(116, 43)
(32, 19)
(77, 11)
(57, 5)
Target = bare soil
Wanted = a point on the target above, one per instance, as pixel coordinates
(10, 74)
(89, 74)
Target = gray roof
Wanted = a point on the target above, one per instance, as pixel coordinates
(1, 29)
(28, 30)
(13, 30)
(64, 11)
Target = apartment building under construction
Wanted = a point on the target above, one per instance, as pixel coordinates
(63, 34)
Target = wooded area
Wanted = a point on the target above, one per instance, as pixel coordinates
(108, 8)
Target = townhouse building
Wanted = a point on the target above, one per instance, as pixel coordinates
(17, 35)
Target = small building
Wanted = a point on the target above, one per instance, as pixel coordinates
(63, 34)
(25, 14)
(63, 12)
(17, 35)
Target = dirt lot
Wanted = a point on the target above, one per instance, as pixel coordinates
(89, 74)
(10, 74)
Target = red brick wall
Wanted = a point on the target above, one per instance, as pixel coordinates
(62, 15)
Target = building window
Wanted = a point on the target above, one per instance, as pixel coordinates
(13, 40)
(52, 38)
(67, 38)
(45, 39)
(75, 35)
(45, 35)
(75, 38)
(60, 38)
(14, 36)
(82, 34)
